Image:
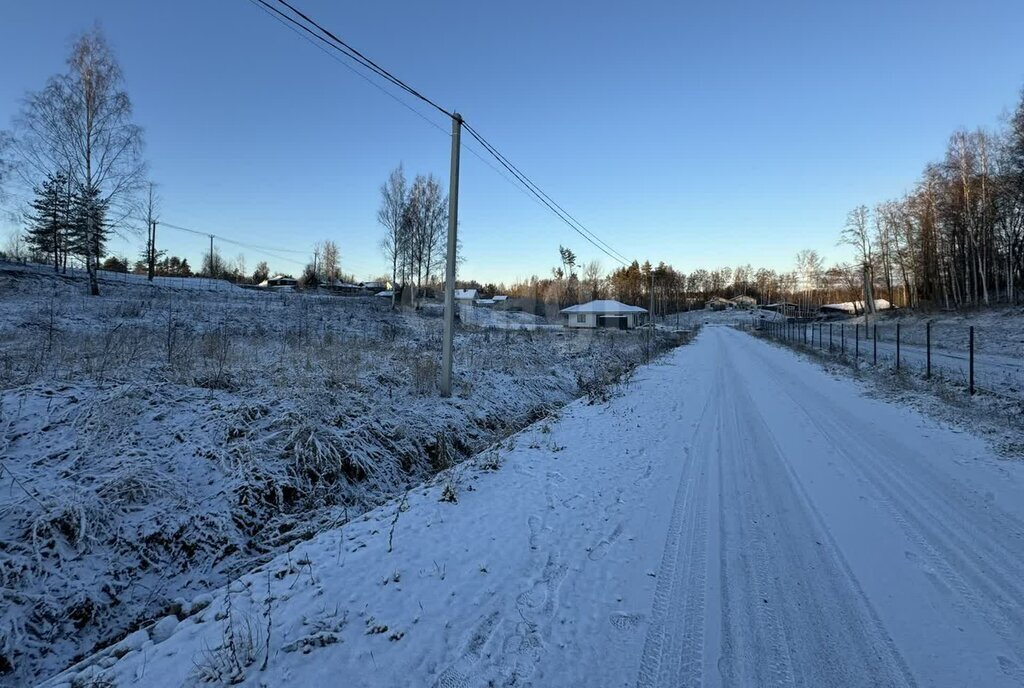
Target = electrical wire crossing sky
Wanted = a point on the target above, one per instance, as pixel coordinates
(703, 135)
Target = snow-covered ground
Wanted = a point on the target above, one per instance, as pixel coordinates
(157, 443)
(479, 316)
(735, 516)
(197, 283)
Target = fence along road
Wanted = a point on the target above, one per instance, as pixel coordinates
(949, 349)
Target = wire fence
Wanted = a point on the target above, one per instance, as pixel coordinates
(956, 353)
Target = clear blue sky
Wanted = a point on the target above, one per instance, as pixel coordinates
(699, 133)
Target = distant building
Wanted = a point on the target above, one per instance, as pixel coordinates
(603, 313)
(465, 296)
(485, 302)
(278, 282)
(853, 307)
(783, 307)
(744, 302)
(717, 303)
(375, 286)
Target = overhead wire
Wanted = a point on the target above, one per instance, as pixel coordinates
(319, 44)
(526, 185)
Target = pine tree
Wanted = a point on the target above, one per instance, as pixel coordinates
(47, 230)
(89, 230)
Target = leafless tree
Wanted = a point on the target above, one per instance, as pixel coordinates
(151, 212)
(329, 259)
(392, 215)
(81, 124)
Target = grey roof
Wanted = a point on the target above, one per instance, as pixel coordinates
(604, 306)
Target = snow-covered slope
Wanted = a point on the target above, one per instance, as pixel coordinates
(158, 443)
(735, 516)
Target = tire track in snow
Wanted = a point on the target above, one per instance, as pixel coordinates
(964, 560)
(673, 653)
(794, 612)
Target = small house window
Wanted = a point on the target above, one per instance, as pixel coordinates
(581, 318)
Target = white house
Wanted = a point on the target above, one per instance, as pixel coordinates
(603, 313)
(466, 296)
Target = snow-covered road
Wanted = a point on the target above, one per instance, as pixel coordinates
(736, 517)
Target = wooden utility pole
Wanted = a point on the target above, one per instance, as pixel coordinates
(449, 279)
(211, 257)
(152, 249)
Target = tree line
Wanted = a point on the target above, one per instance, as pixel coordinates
(957, 238)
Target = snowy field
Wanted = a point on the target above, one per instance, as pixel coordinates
(191, 283)
(157, 443)
(732, 516)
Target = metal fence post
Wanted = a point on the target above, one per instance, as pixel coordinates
(875, 341)
(856, 342)
(897, 346)
(842, 337)
(970, 387)
(928, 349)
(830, 337)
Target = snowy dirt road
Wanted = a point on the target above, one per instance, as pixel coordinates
(735, 517)
(842, 546)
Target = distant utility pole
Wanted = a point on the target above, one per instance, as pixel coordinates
(449, 279)
(152, 249)
(211, 257)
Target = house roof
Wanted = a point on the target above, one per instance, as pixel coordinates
(855, 306)
(485, 302)
(496, 297)
(465, 293)
(603, 306)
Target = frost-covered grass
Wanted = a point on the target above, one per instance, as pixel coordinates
(157, 443)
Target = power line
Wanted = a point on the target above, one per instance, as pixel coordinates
(304, 34)
(558, 210)
(365, 61)
(328, 38)
(270, 251)
(319, 44)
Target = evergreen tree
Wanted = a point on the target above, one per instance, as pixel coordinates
(47, 230)
(89, 229)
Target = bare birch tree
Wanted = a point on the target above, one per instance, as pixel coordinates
(81, 124)
(391, 214)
